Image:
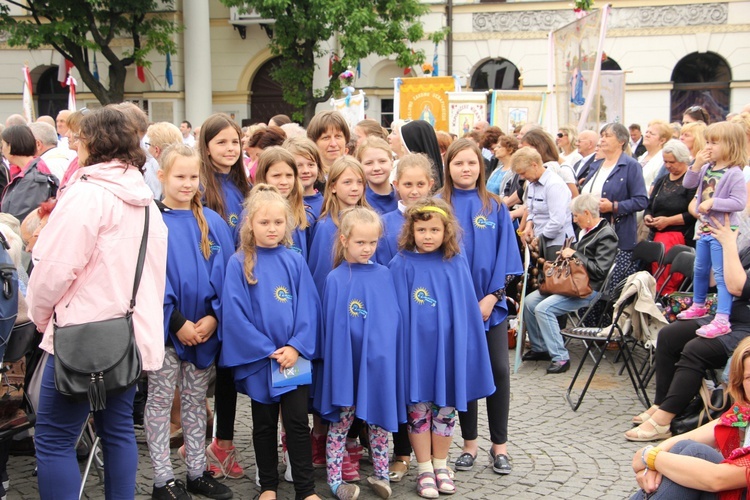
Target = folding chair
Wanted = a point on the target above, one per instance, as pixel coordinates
(605, 336)
(22, 340)
(650, 252)
(669, 260)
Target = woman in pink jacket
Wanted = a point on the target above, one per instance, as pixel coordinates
(84, 265)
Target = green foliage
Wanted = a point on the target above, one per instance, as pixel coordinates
(75, 27)
(352, 29)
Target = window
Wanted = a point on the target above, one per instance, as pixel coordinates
(386, 113)
(701, 80)
(500, 74)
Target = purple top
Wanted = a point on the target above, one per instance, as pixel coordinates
(730, 195)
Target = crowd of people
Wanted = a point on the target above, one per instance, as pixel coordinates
(373, 265)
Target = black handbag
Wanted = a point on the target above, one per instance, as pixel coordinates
(707, 405)
(99, 358)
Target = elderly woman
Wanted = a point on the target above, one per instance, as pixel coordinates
(547, 203)
(692, 136)
(596, 249)
(682, 357)
(657, 134)
(567, 144)
(545, 145)
(618, 180)
(693, 465)
(667, 214)
(503, 149)
(100, 217)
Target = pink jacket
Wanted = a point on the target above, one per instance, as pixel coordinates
(85, 258)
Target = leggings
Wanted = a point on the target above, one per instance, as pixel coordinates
(193, 384)
(498, 404)
(426, 417)
(225, 404)
(336, 447)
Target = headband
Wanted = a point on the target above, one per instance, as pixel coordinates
(437, 210)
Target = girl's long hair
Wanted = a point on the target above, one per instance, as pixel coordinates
(351, 218)
(261, 196)
(733, 140)
(331, 205)
(213, 125)
(484, 195)
(277, 154)
(166, 161)
(423, 210)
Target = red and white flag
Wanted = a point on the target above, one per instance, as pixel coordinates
(71, 82)
(63, 69)
(28, 98)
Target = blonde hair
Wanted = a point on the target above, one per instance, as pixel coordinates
(664, 129)
(276, 154)
(424, 210)
(351, 218)
(373, 143)
(572, 133)
(163, 134)
(698, 131)
(262, 196)
(304, 147)
(166, 161)
(415, 160)
(331, 205)
(733, 138)
(523, 158)
(737, 372)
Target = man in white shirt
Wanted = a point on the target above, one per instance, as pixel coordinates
(56, 158)
(187, 136)
(62, 128)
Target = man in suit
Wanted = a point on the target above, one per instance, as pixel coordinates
(636, 141)
(586, 146)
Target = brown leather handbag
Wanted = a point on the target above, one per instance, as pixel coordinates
(566, 277)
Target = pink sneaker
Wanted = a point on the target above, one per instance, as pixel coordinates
(223, 463)
(693, 312)
(716, 328)
(318, 451)
(355, 455)
(349, 473)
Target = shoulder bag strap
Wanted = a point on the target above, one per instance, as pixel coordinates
(141, 259)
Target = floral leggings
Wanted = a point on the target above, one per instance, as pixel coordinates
(424, 417)
(193, 384)
(336, 447)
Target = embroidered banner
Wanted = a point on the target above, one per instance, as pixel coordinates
(465, 109)
(352, 107)
(511, 108)
(424, 98)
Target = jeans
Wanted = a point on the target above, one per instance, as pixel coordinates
(540, 314)
(709, 254)
(59, 422)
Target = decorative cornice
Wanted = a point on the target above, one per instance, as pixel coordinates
(709, 14)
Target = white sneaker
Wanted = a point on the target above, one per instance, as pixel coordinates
(257, 477)
(288, 471)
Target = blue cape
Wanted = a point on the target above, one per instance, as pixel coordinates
(233, 202)
(320, 258)
(381, 203)
(315, 202)
(388, 243)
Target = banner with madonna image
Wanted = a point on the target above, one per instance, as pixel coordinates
(511, 108)
(424, 98)
(464, 110)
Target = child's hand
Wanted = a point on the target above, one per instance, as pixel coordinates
(705, 206)
(700, 159)
(205, 327)
(187, 335)
(286, 356)
(486, 305)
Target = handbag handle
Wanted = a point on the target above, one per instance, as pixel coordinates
(141, 260)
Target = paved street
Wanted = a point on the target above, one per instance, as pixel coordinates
(555, 452)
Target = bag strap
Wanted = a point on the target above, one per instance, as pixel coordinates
(141, 260)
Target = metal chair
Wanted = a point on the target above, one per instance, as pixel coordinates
(669, 260)
(650, 252)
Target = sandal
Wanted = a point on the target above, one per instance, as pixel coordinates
(638, 420)
(427, 486)
(444, 482)
(398, 469)
(658, 433)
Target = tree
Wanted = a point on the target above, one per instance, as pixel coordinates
(359, 27)
(75, 27)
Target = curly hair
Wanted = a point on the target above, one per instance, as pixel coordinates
(109, 135)
(424, 210)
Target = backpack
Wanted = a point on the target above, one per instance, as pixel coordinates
(8, 296)
(27, 191)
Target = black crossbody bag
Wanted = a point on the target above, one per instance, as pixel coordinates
(99, 358)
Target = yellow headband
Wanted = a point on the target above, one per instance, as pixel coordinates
(433, 209)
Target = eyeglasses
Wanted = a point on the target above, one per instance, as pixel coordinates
(560, 135)
(148, 144)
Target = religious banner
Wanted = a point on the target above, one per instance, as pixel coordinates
(424, 98)
(465, 109)
(578, 50)
(511, 108)
(610, 106)
(352, 107)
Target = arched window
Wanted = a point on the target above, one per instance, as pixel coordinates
(498, 74)
(52, 96)
(701, 80)
(609, 64)
(265, 95)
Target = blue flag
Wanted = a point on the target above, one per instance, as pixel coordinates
(435, 62)
(96, 69)
(359, 69)
(170, 80)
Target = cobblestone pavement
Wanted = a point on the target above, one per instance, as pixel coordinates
(555, 452)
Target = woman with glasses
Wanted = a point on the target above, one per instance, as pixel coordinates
(567, 144)
(695, 114)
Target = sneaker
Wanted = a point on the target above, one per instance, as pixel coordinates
(693, 312)
(347, 492)
(349, 473)
(318, 451)
(288, 472)
(209, 487)
(716, 328)
(173, 490)
(356, 453)
(4, 479)
(224, 463)
(381, 487)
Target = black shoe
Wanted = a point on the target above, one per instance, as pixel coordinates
(501, 464)
(535, 356)
(173, 490)
(209, 487)
(558, 366)
(465, 461)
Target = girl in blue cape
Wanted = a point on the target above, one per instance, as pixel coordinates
(376, 158)
(307, 158)
(489, 244)
(446, 360)
(276, 167)
(413, 182)
(271, 311)
(199, 247)
(362, 351)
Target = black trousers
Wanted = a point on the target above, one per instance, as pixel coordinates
(265, 428)
(498, 404)
(682, 359)
(225, 403)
